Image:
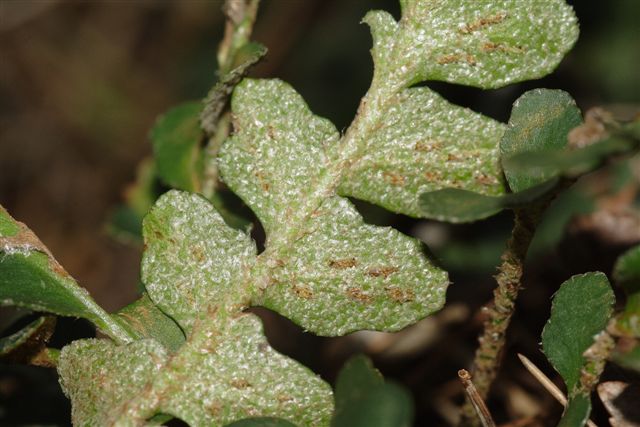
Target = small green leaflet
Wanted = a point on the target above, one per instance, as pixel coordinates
(540, 122)
(626, 273)
(581, 309)
(28, 345)
(364, 399)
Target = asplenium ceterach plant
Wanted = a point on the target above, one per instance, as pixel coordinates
(187, 349)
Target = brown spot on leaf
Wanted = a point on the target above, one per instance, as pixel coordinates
(381, 271)
(501, 47)
(393, 178)
(240, 383)
(426, 146)
(483, 23)
(284, 398)
(457, 57)
(214, 408)
(342, 264)
(358, 295)
(400, 295)
(302, 291)
(271, 132)
(433, 176)
(263, 182)
(197, 253)
(484, 179)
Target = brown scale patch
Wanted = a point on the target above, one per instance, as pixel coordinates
(381, 271)
(427, 146)
(484, 179)
(500, 47)
(198, 253)
(454, 157)
(240, 383)
(400, 295)
(393, 178)
(284, 398)
(358, 295)
(271, 132)
(342, 264)
(457, 57)
(432, 176)
(483, 23)
(263, 182)
(302, 291)
(279, 263)
(214, 408)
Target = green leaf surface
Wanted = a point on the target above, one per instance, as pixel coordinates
(344, 275)
(424, 143)
(176, 138)
(26, 344)
(99, 376)
(455, 205)
(327, 270)
(8, 227)
(30, 277)
(581, 309)
(482, 44)
(540, 121)
(363, 399)
(278, 152)
(226, 372)
(577, 412)
(262, 422)
(626, 273)
(192, 257)
(145, 318)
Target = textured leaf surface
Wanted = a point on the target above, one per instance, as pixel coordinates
(145, 318)
(8, 227)
(363, 399)
(226, 372)
(30, 277)
(483, 44)
(278, 151)
(262, 422)
(455, 205)
(176, 140)
(540, 121)
(328, 271)
(345, 275)
(577, 412)
(192, 258)
(424, 143)
(99, 376)
(580, 310)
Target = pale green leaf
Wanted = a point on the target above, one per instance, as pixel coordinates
(31, 277)
(424, 143)
(626, 273)
(475, 43)
(176, 138)
(192, 257)
(581, 309)
(278, 152)
(99, 376)
(363, 399)
(344, 275)
(8, 227)
(226, 372)
(577, 412)
(148, 321)
(540, 122)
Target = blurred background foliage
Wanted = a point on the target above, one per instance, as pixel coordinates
(81, 83)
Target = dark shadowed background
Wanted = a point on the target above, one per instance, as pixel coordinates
(81, 83)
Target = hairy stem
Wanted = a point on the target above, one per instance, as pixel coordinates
(241, 15)
(491, 343)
